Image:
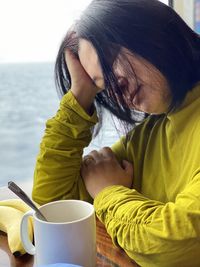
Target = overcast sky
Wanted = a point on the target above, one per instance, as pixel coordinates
(31, 30)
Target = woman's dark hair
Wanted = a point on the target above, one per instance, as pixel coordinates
(147, 28)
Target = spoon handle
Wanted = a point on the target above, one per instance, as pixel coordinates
(21, 194)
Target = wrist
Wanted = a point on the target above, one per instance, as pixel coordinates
(85, 100)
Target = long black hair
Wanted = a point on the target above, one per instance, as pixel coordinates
(147, 28)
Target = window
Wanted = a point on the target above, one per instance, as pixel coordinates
(189, 10)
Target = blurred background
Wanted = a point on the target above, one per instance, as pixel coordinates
(31, 32)
(189, 10)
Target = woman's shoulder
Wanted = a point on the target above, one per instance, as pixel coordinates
(188, 114)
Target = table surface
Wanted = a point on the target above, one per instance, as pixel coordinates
(107, 254)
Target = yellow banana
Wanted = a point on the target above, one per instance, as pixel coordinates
(16, 204)
(11, 213)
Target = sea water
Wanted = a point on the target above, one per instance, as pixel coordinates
(27, 99)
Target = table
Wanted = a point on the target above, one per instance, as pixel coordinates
(107, 254)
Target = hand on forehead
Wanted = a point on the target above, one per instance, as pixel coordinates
(90, 62)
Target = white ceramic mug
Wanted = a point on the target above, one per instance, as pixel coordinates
(68, 236)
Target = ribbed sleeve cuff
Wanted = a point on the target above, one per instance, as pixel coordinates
(70, 102)
(106, 196)
(109, 200)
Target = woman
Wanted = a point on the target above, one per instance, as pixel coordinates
(128, 55)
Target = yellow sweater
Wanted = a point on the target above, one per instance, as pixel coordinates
(157, 222)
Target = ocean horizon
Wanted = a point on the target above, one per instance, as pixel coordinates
(27, 99)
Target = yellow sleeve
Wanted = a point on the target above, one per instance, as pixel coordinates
(151, 232)
(57, 171)
(119, 150)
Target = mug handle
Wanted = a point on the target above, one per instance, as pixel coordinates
(27, 244)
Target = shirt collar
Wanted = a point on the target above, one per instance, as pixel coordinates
(190, 97)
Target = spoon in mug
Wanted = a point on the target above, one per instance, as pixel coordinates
(21, 194)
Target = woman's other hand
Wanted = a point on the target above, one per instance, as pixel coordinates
(101, 169)
(82, 87)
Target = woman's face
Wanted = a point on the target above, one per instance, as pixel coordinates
(151, 93)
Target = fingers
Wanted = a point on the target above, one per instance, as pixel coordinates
(97, 156)
(106, 152)
(73, 63)
(128, 167)
(94, 156)
(87, 160)
(103, 153)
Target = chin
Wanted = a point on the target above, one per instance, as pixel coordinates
(150, 110)
(153, 111)
(157, 112)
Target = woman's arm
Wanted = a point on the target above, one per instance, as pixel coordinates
(151, 232)
(57, 172)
